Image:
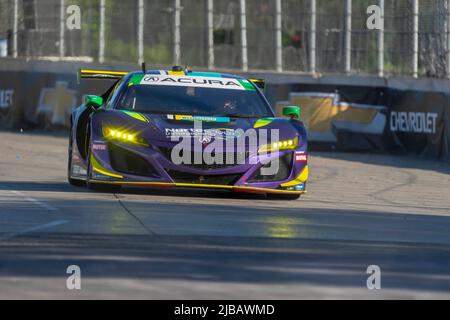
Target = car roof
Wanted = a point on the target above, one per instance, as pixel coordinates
(190, 74)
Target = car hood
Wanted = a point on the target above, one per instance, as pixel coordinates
(219, 128)
(170, 129)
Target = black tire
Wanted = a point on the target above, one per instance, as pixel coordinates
(102, 187)
(287, 197)
(73, 182)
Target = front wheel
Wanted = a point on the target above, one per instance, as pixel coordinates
(102, 187)
(73, 182)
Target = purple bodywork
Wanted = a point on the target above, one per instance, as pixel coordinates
(104, 161)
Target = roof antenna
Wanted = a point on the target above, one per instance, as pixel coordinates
(144, 68)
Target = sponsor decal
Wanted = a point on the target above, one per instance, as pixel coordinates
(78, 171)
(57, 103)
(208, 147)
(205, 139)
(99, 146)
(6, 98)
(99, 176)
(199, 82)
(325, 115)
(200, 133)
(413, 122)
(199, 118)
(301, 156)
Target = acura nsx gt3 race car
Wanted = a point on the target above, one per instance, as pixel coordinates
(178, 128)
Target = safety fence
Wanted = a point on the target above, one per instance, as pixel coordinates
(312, 36)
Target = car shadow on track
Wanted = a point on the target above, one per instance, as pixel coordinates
(39, 186)
(201, 243)
(176, 192)
(222, 260)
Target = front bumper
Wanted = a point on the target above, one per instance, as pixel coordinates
(103, 172)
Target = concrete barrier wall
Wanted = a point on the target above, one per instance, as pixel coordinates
(369, 118)
(347, 113)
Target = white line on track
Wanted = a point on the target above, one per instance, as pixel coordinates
(34, 201)
(34, 229)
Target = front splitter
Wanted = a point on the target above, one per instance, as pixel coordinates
(166, 185)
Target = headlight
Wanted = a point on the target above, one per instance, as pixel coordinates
(124, 136)
(290, 144)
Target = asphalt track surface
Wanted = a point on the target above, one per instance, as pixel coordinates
(360, 210)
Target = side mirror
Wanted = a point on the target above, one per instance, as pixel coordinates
(292, 111)
(93, 102)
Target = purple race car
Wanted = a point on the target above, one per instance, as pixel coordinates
(178, 128)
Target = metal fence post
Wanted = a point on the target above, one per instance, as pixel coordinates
(210, 34)
(62, 15)
(447, 66)
(278, 39)
(380, 39)
(176, 36)
(348, 36)
(244, 35)
(101, 45)
(415, 38)
(312, 45)
(448, 40)
(140, 31)
(15, 28)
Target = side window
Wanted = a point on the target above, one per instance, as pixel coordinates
(128, 98)
(113, 94)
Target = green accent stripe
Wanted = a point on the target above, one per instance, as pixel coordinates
(136, 79)
(247, 85)
(100, 169)
(263, 122)
(136, 115)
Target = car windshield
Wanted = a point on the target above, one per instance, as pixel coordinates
(165, 99)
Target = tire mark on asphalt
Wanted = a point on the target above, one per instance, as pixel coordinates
(330, 174)
(150, 231)
(411, 179)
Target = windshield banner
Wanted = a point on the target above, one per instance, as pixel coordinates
(199, 82)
